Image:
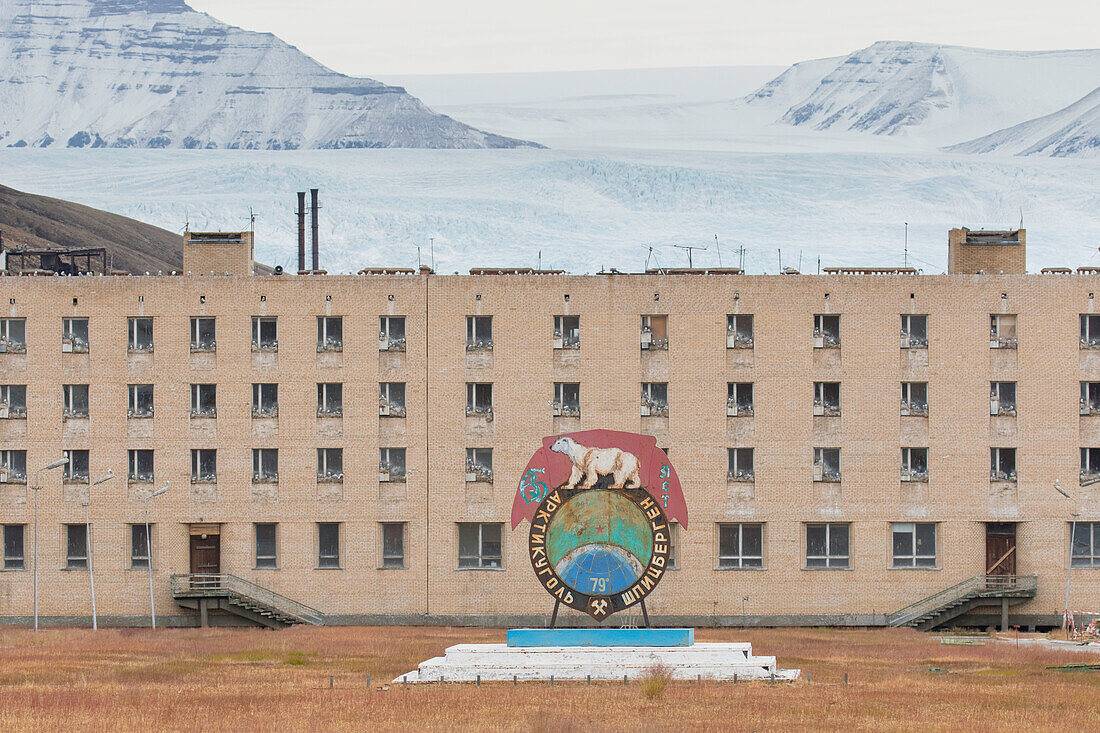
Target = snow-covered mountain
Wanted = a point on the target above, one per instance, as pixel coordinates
(939, 94)
(1071, 131)
(156, 74)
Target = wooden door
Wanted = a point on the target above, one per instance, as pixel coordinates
(206, 553)
(1000, 548)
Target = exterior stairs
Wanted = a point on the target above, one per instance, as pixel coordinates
(239, 597)
(940, 608)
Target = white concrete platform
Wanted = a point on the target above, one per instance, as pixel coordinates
(501, 663)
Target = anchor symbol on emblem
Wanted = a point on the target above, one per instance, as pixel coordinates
(599, 607)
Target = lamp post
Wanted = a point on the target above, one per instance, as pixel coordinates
(36, 487)
(88, 528)
(1072, 533)
(149, 554)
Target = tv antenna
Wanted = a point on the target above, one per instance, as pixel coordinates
(719, 246)
(431, 242)
(653, 255)
(251, 221)
(906, 256)
(689, 249)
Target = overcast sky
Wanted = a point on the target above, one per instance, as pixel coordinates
(366, 38)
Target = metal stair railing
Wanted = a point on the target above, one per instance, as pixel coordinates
(224, 585)
(976, 587)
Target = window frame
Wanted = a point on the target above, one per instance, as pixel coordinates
(821, 406)
(197, 392)
(325, 458)
(198, 344)
(12, 561)
(133, 331)
(388, 404)
(75, 562)
(133, 459)
(567, 332)
(9, 460)
(260, 341)
(996, 399)
(653, 326)
(898, 561)
(650, 405)
(261, 396)
(844, 561)
(995, 462)
(387, 341)
(735, 334)
(563, 407)
(476, 469)
(477, 338)
(736, 458)
(741, 560)
(133, 400)
(386, 473)
(14, 412)
(472, 403)
(735, 406)
(1090, 337)
(198, 456)
(1000, 326)
(483, 559)
(141, 562)
(330, 334)
(1093, 556)
(264, 561)
(908, 341)
(908, 474)
(329, 561)
(819, 460)
(386, 560)
(69, 397)
(76, 344)
(911, 406)
(823, 339)
(261, 465)
(8, 345)
(74, 457)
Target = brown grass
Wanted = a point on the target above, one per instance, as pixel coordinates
(180, 679)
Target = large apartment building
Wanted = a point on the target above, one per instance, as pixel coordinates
(848, 443)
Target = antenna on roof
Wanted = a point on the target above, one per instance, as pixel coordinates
(251, 221)
(418, 265)
(655, 260)
(540, 261)
(719, 246)
(689, 249)
(431, 242)
(1021, 217)
(906, 257)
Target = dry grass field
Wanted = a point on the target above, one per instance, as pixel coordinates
(222, 679)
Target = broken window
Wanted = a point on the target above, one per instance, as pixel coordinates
(1090, 466)
(827, 545)
(140, 466)
(202, 335)
(265, 400)
(391, 464)
(479, 333)
(13, 466)
(567, 332)
(1002, 464)
(479, 399)
(914, 544)
(1090, 332)
(739, 399)
(13, 335)
(479, 545)
(1002, 398)
(914, 398)
(204, 400)
(739, 331)
(140, 401)
(391, 399)
(1085, 544)
(330, 465)
(265, 333)
(330, 333)
(740, 465)
(827, 398)
(1090, 398)
(914, 464)
(914, 332)
(826, 331)
(567, 399)
(75, 470)
(391, 333)
(13, 401)
(330, 399)
(654, 332)
(328, 545)
(479, 465)
(827, 464)
(654, 399)
(75, 400)
(140, 338)
(1002, 331)
(740, 545)
(204, 465)
(74, 336)
(265, 465)
(393, 544)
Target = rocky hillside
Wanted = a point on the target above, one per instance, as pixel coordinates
(1073, 131)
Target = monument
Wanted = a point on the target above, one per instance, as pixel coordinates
(599, 504)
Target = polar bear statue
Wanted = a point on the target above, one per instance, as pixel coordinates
(595, 462)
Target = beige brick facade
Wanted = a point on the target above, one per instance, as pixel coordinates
(783, 364)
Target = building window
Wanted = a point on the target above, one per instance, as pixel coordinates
(74, 336)
(140, 332)
(1090, 466)
(265, 465)
(914, 399)
(141, 401)
(13, 466)
(391, 464)
(330, 333)
(75, 401)
(1002, 398)
(330, 465)
(204, 400)
(827, 545)
(739, 331)
(914, 332)
(827, 464)
(76, 546)
(739, 399)
(740, 465)
(914, 464)
(265, 400)
(1002, 331)
(479, 545)
(827, 398)
(330, 399)
(479, 333)
(1002, 464)
(1090, 332)
(13, 335)
(1090, 398)
(266, 556)
(393, 544)
(740, 545)
(204, 465)
(391, 399)
(141, 466)
(75, 470)
(139, 546)
(673, 546)
(13, 401)
(479, 399)
(328, 545)
(914, 544)
(202, 335)
(1085, 545)
(265, 333)
(567, 399)
(654, 399)
(654, 332)
(391, 333)
(826, 331)
(567, 332)
(479, 465)
(13, 547)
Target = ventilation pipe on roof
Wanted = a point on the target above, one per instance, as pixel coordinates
(313, 221)
(301, 231)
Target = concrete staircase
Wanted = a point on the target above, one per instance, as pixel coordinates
(938, 609)
(236, 596)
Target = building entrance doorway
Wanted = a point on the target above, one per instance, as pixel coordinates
(206, 553)
(1000, 548)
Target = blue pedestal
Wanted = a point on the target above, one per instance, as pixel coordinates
(601, 637)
